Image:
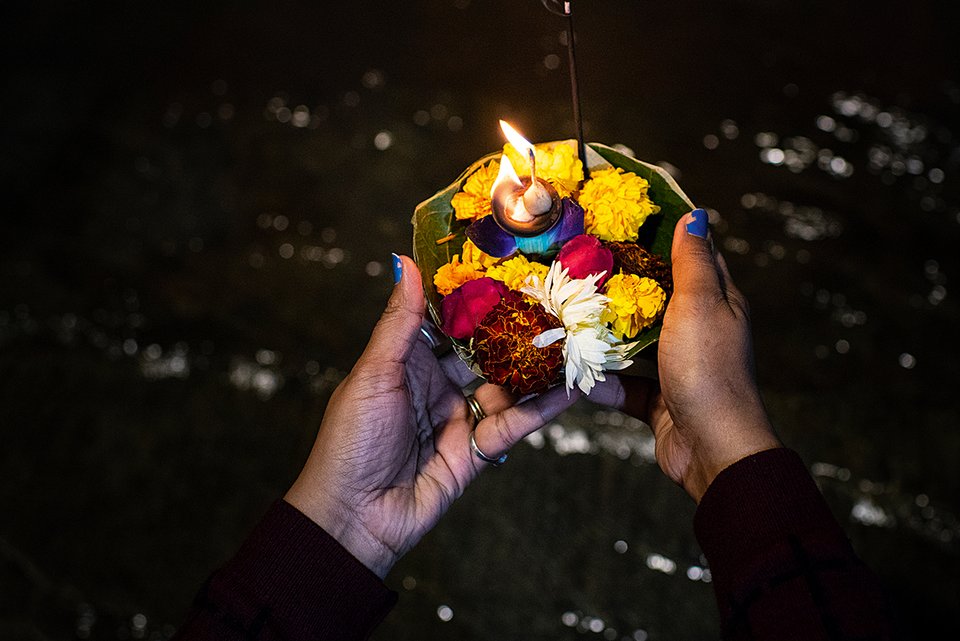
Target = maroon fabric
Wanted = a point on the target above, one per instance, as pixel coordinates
(781, 566)
(292, 581)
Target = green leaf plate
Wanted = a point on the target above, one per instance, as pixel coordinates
(434, 219)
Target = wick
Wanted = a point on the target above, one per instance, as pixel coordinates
(536, 200)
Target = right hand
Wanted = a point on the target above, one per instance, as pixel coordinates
(708, 413)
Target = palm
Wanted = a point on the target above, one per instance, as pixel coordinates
(672, 451)
(665, 407)
(672, 407)
(412, 429)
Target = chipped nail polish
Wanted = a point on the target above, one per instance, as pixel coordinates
(397, 268)
(698, 226)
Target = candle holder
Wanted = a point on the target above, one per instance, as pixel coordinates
(511, 214)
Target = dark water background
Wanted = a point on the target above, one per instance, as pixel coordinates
(199, 200)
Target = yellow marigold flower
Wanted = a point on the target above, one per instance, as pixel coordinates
(474, 200)
(513, 273)
(557, 164)
(615, 204)
(473, 254)
(454, 274)
(635, 303)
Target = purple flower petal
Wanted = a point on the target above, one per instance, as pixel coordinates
(491, 239)
(571, 222)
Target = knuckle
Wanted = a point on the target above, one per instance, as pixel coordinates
(502, 430)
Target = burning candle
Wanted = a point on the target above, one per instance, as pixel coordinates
(528, 214)
(523, 207)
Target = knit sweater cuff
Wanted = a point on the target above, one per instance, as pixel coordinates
(292, 580)
(754, 516)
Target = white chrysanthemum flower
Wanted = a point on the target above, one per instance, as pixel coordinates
(590, 347)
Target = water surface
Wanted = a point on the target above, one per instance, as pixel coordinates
(199, 206)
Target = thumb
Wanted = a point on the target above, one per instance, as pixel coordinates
(695, 270)
(397, 330)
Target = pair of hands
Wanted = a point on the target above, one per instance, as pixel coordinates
(393, 451)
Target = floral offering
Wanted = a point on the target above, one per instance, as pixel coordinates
(541, 273)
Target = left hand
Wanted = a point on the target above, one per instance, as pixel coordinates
(393, 451)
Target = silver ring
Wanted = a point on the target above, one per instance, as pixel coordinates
(495, 462)
(431, 341)
(475, 408)
(436, 339)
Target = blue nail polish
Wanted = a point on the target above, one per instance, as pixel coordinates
(397, 268)
(698, 226)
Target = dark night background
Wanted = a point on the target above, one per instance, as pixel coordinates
(198, 203)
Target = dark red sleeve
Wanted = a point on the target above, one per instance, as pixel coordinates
(292, 581)
(782, 568)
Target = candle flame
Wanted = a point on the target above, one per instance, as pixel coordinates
(519, 201)
(509, 197)
(506, 174)
(524, 146)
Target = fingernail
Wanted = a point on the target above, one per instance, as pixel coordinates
(698, 226)
(397, 268)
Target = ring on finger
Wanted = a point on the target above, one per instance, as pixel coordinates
(494, 461)
(475, 408)
(435, 338)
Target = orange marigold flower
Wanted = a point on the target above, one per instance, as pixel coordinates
(631, 258)
(556, 163)
(513, 273)
(635, 303)
(473, 254)
(473, 201)
(454, 274)
(504, 350)
(615, 203)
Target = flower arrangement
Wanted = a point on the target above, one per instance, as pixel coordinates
(528, 310)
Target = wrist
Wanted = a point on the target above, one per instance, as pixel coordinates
(711, 459)
(344, 525)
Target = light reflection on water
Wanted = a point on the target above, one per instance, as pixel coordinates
(874, 503)
(610, 432)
